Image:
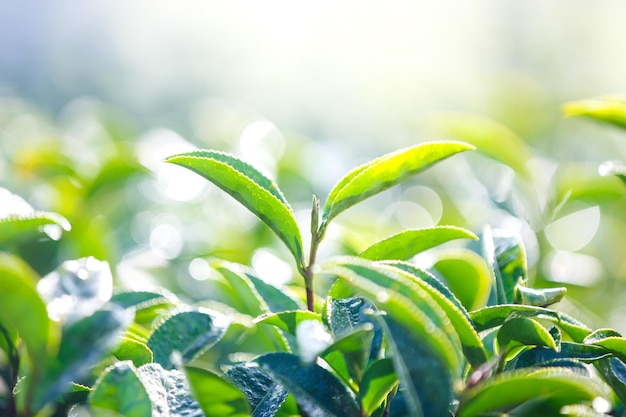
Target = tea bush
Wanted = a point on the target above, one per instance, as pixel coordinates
(434, 321)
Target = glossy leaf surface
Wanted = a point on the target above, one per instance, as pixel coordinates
(250, 187)
(190, 333)
(265, 396)
(216, 395)
(385, 172)
(409, 243)
(522, 331)
(317, 391)
(120, 390)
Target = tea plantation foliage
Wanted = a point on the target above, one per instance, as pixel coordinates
(368, 330)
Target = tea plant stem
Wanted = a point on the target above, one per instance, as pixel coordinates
(308, 272)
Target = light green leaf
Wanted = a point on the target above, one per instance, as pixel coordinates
(522, 331)
(378, 381)
(288, 320)
(24, 312)
(467, 275)
(408, 303)
(385, 172)
(472, 346)
(133, 350)
(490, 138)
(614, 344)
(189, 333)
(508, 390)
(611, 110)
(540, 297)
(250, 187)
(493, 316)
(349, 355)
(120, 390)
(409, 243)
(318, 392)
(216, 395)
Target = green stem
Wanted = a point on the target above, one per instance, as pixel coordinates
(316, 238)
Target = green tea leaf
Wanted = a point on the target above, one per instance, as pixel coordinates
(408, 303)
(23, 311)
(458, 316)
(189, 333)
(540, 297)
(569, 351)
(264, 395)
(508, 390)
(611, 110)
(614, 345)
(506, 257)
(613, 370)
(168, 392)
(378, 381)
(409, 243)
(522, 331)
(425, 380)
(216, 395)
(493, 316)
(317, 391)
(251, 188)
(385, 172)
(136, 352)
(288, 320)
(466, 274)
(120, 390)
(83, 344)
(349, 355)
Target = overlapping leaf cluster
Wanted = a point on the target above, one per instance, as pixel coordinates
(466, 337)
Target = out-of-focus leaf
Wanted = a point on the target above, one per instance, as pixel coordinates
(77, 288)
(489, 137)
(378, 381)
(216, 395)
(425, 380)
(190, 333)
(525, 332)
(120, 390)
(506, 258)
(83, 344)
(540, 297)
(467, 275)
(409, 243)
(168, 392)
(613, 168)
(503, 392)
(251, 188)
(493, 316)
(147, 305)
(19, 220)
(288, 320)
(317, 391)
(611, 110)
(407, 303)
(133, 350)
(23, 312)
(386, 171)
(458, 316)
(264, 395)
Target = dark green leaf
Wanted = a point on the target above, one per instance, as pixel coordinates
(385, 172)
(409, 243)
(317, 391)
(506, 258)
(569, 352)
(611, 110)
(614, 372)
(508, 390)
(120, 390)
(378, 381)
(467, 275)
(525, 332)
(216, 395)
(190, 333)
(168, 392)
(251, 188)
(493, 316)
(425, 380)
(264, 395)
(83, 344)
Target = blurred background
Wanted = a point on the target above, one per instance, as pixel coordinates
(94, 95)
